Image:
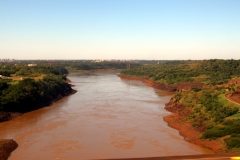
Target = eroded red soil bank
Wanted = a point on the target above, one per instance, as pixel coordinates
(235, 97)
(176, 119)
(6, 147)
(193, 135)
(183, 86)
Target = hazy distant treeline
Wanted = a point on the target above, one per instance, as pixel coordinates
(172, 72)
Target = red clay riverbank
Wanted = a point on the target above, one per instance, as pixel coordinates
(6, 147)
(183, 86)
(176, 120)
(234, 97)
(151, 83)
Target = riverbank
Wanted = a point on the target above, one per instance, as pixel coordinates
(193, 135)
(6, 116)
(94, 71)
(183, 86)
(176, 119)
(150, 83)
(6, 148)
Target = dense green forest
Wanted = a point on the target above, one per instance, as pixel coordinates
(210, 72)
(29, 94)
(78, 65)
(25, 88)
(209, 111)
(7, 69)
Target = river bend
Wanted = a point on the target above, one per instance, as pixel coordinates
(107, 118)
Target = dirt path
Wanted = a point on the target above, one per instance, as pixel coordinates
(228, 97)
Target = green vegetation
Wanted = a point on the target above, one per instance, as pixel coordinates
(210, 72)
(99, 65)
(24, 88)
(210, 112)
(36, 86)
(29, 94)
(24, 70)
(29, 85)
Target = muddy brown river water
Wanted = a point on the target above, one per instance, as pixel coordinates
(107, 118)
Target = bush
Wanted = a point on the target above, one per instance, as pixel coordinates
(214, 133)
(196, 124)
(233, 142)
(231, 127)
(195, 89)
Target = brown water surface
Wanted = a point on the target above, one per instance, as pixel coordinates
(107, 118)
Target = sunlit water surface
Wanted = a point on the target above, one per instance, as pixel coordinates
(107, 118)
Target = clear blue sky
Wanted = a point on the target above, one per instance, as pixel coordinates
(120, 29)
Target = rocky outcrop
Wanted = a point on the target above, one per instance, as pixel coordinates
(6, 148)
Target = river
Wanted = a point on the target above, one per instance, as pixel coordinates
(108, 117)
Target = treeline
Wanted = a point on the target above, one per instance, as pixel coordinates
(207, 108)
(90, 65)
(210, 72)
(21, 68)
(24, 70)
(27, 71)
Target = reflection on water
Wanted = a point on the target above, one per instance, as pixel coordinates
(107, 118)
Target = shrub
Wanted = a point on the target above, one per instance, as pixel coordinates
(214, 133)
(195, 89)
(233, 142)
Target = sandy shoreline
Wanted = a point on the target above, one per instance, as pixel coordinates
(176, 121)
